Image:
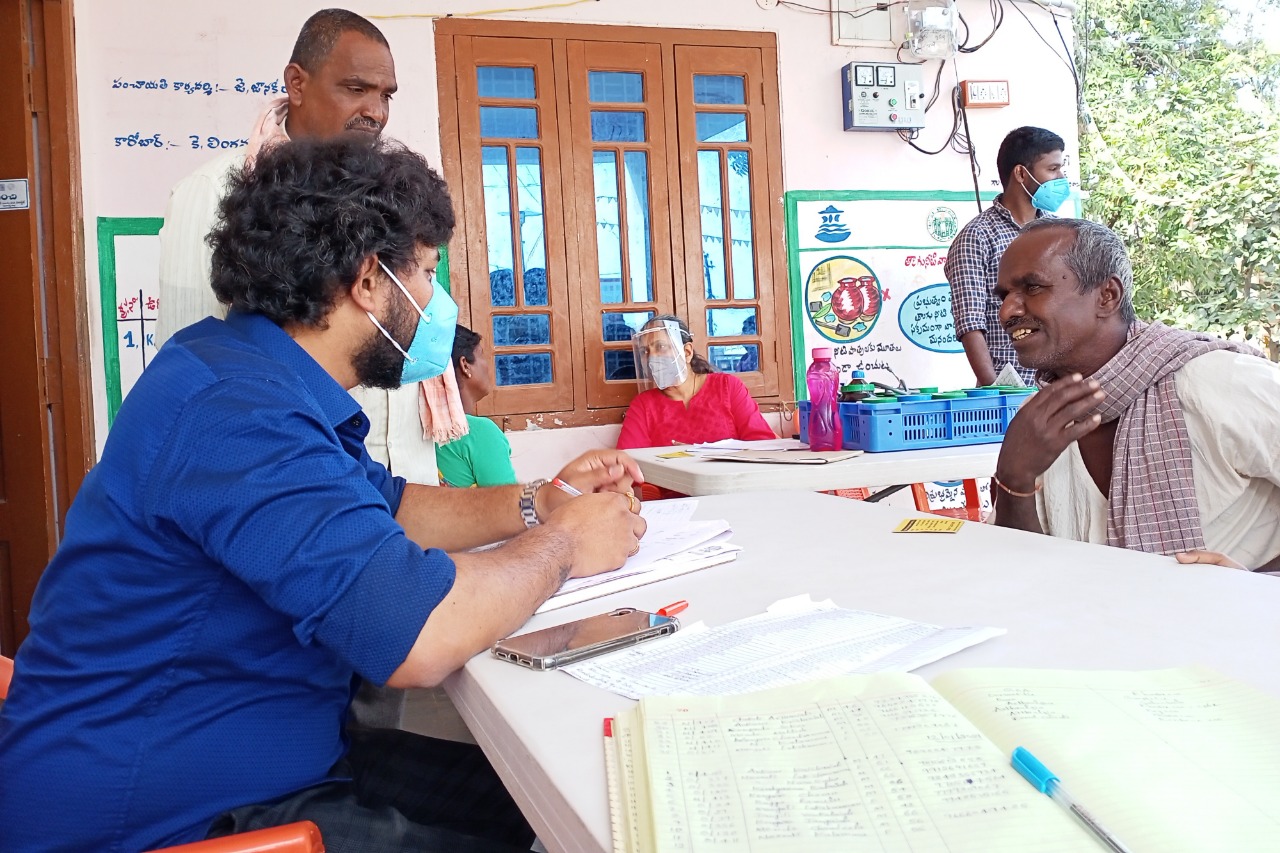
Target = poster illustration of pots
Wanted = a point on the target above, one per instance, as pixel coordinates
(866, 278)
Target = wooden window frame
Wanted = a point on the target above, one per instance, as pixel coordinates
(769, 386)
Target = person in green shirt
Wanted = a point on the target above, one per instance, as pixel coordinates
(482, 457)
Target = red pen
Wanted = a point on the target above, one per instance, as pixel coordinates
(673, 609)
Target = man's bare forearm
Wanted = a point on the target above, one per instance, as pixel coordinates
(979, 355)
(457, 519)
(1015, 512)
(492, 596)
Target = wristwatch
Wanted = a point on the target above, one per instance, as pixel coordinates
(528, 513)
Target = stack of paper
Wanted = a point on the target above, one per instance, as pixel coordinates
(672, 545)
(730, 444)
(796, 640)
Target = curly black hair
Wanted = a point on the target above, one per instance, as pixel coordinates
(295, 226)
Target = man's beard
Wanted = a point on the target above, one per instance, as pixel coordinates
(379, 364)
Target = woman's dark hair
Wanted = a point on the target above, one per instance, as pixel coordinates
(295, 226)
(465, 342)
(1023, 147)
(698, 364)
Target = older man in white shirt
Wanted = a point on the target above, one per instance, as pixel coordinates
(340, 79)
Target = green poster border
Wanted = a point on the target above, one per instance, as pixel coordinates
(791, 202)
(109, 228)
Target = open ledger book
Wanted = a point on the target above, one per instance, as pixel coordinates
(1171, 760)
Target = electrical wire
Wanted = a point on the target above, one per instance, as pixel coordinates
(481, 12)
(1067, 61)
(906, 61)
(996, 8)
(860, 12)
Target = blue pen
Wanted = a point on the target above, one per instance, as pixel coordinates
(1046, 783)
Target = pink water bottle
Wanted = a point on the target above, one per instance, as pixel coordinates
(823, 379)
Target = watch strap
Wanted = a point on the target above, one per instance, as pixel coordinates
(529, 513)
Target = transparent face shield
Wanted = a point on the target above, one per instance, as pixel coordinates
(659, 355)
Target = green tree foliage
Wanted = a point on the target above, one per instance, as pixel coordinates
(1180, 143)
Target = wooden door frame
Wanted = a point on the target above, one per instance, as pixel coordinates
(50, 406)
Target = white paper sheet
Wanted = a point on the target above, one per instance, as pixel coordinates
(797, 640)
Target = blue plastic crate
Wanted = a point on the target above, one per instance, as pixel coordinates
(881, 427)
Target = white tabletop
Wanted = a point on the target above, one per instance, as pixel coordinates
(1065, 604)
(694, 476)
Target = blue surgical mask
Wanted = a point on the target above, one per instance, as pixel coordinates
(432, 346)
(1050, 195)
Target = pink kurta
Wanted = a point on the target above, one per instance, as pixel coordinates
(722, 408)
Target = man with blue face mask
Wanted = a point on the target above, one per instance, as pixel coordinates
(236, 559)
(1030, 162)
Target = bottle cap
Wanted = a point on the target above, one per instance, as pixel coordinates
(858, 374)
(823, 352)
(931, 389)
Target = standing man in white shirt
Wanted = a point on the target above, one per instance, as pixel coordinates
(340, 79)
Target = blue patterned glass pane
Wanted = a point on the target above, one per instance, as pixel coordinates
(527, 369)
(616, 87)
(530, 224)
(617, 126)
(621, 326)
(604, 164)
(497, 81)
(721, 127)
(713, 255)
(740, 234)
(521, 330)
(509, 122)
(496, 174)
(719, 89)
(731, 322)
(735, 359)
(619, 364)
(639, 250)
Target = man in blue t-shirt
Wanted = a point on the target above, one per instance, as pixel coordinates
(236, 561)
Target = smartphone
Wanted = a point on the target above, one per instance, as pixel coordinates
(574, 641)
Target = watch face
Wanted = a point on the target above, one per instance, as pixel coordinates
(885, 75)
(864, 75)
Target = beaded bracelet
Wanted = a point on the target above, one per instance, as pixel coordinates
(1039, 486)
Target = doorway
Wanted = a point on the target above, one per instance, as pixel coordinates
(46, 431)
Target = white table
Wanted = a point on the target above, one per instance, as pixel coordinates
(1065, 605)
(694, 476)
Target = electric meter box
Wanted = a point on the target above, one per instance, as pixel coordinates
(883, 96)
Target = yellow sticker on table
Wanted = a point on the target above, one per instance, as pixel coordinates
(929, 525)
(675, 454)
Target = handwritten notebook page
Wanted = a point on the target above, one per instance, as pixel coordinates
(856, 763)
(1171, 760)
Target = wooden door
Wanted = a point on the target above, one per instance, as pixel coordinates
(46, 442)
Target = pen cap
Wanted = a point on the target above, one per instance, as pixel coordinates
(1032, 770)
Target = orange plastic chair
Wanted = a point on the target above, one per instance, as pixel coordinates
(971, 511)
(300, 837)
(6, 675)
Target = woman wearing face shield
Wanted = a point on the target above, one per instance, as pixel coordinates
(685, 401)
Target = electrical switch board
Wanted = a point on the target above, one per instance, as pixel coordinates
(883, 96)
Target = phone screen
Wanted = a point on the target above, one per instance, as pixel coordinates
(550, 647)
